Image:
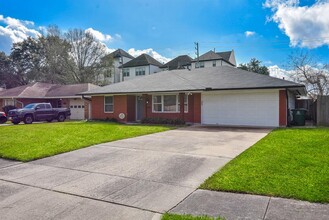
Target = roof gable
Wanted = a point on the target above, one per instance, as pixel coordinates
(121, 53)
(210, 55)
(142, 60)
(178, 62)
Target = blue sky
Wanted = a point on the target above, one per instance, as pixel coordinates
(170, 28)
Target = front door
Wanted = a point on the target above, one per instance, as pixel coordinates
(139, 108)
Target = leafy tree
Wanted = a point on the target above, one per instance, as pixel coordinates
(27, 59)
(6, 79)
(57, 57)
(255, 66)
(72, 57)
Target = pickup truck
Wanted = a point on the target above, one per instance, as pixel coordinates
(38, 112)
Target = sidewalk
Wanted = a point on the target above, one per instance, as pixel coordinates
(245, 206)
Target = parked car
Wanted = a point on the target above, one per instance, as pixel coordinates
(38, 112)
(3, 118)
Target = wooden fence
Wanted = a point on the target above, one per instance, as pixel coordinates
(322, 110)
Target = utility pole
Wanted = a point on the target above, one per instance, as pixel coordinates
(197, 53)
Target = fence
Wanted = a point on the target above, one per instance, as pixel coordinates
(322, 110)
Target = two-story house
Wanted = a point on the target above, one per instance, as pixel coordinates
(213, 59)
(140, 66)
(119, 57)
(180, 62)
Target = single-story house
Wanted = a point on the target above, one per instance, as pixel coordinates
(221, 95)
(58, 95)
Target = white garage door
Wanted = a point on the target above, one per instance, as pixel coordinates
(77, 109)
(244, 108)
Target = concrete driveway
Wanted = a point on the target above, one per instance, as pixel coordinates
(137, 178)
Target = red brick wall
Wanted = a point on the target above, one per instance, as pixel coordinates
(282, 108)
(120, 106)
(127, 104)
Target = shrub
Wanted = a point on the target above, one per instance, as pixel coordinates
(176, 121)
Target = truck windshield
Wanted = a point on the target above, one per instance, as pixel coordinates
(30, 106)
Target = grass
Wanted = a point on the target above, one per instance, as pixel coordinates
(290, 163)
(168, 216)
(30, 142)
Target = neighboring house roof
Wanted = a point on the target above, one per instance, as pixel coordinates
(203, 79)
(211, 55)
(121, 53)
(178, 63)
(142, 60)
(225, 55)
(46, 90)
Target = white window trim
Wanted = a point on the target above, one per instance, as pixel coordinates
(139, 69)
(162, 104)
(112, 103)
(127, 70)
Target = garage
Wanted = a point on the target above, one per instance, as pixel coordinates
(77, 107)
(241, 108)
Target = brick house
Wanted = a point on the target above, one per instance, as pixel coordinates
(58, 95)
(216, 96)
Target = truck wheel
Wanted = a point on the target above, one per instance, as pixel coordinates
(61, 118)
(28, 119)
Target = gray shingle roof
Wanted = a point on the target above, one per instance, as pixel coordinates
(210, 55)
(142, 60)
(46, 90)
(121, 53)
(178, 62)
(225, 55)
(216, 78)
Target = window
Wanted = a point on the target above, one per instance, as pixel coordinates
(140, 71)
(108, 103)
(157, 103)
(126, 72)
(199, 65)
(214, 63)
(9, 102)
(168, 103)
(41, 106)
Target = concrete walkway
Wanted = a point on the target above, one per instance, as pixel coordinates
(137, 178)
(243, 206)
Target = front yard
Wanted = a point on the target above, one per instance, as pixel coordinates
(30, 142)
(290, 163)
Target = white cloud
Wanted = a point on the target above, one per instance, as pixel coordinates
(277, 72)
(249, 33)
(150, 52)
(99, 35)
(13, 30)
(306, 26)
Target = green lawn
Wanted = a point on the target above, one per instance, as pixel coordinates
(168, 216)
(30, 142)
(290, 163)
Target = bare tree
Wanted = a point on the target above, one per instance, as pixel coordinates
(87, 54)
(312, 74)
